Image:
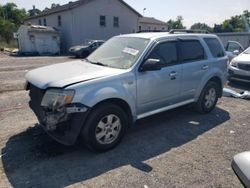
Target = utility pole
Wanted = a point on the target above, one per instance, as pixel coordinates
(144, 11)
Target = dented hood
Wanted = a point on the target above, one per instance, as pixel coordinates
(63, 74)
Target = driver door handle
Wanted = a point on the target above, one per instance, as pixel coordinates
(173, 75)
(204, 67)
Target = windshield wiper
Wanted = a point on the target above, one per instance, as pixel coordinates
(99, 63)
(95, 63)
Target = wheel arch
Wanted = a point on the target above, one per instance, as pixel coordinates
(118, 102)
(217, 80)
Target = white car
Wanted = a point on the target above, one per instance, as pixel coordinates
(239, 68)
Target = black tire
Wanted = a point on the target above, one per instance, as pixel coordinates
(99, 114)
(202, 104)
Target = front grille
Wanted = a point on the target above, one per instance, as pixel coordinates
(245, 66)
(36, 96)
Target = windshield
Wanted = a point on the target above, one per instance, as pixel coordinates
(247, 51)
(119, 52)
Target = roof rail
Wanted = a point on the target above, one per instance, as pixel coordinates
(150, 31)
(174, 31)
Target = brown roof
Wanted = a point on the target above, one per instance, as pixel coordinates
(72, 5)
(151, 20)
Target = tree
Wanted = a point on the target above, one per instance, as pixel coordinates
(176, 24)
(6, 30)
(10, 19)
(11, 12)
(238, 23)
(246, 20)
(34, 11)
(54, 5)
(201, 26)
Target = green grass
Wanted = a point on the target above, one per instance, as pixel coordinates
(11, 45)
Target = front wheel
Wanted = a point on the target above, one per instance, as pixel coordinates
(105, 127)
(208, 98)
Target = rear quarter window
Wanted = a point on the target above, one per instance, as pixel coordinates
(191, 50)
(215, 47)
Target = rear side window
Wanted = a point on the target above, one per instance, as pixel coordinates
(191, 50)
(215, 47)
(166, 52)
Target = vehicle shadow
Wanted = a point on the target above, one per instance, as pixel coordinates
(32, 159)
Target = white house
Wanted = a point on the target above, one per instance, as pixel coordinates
(89, 19)
(35, 39)
(151, 24)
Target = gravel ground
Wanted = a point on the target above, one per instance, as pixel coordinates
(178, 148)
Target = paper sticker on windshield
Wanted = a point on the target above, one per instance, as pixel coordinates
(131, 51)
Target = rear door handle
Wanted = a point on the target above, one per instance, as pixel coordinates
(204, 67)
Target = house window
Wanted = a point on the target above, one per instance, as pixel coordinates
(116, 21)
(44, 22)
(39, 22)
(103, 21)
(59, 20)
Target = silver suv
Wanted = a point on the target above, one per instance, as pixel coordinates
(128, 78)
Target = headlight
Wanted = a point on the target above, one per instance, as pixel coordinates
(57, 98)
(233, 63)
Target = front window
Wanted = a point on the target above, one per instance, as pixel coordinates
(119, 52)
(166, 52)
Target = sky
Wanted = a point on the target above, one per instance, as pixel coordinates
(193, 11)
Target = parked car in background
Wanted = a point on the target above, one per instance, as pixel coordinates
(241, 167)
(85, 50)
(233, 49)
(128, 78)
(239, 67)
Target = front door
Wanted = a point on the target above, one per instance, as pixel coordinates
(157, 89)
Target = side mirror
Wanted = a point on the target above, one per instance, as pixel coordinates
(151, 65)
(236, 52)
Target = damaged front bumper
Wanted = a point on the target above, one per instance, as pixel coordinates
(63, 125)
(52, 119)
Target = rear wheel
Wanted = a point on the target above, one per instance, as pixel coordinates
(105, 127)
(208, 98)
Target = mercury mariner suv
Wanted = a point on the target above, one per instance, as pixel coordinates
(128, 78)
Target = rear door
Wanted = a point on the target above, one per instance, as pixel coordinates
(195, 66)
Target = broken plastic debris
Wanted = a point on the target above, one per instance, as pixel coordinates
(231, 93)
(232, 132)
(145, 186)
